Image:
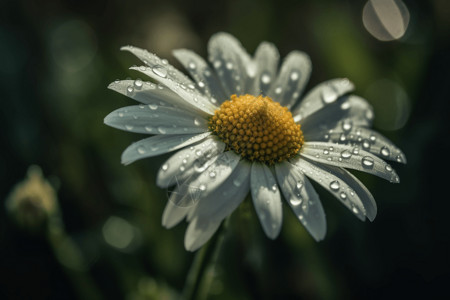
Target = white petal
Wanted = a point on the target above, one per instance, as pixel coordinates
(173, 214)
(361, 191)
(346, 133)
(266, 61)
(146, 92)
(348, 157)
(227, 197)
(206, 79)
(154, 119)
(302, 198)
(347, 108)
(231, 62)
(266, 199)
(334, 184)
(187, 92)
(175, 80)
(184, 163)
(201, 185)
(159, 144)
(292, 78)
(322, 95)
(199, 232)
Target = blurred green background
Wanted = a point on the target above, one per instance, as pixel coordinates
(107, 242)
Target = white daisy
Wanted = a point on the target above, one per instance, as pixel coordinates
(240, 126)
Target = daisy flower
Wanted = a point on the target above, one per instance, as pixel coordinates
(240, 124)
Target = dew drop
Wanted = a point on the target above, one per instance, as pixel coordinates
(162, 130)
(373, 138)
(294, 76)
(182, 168)
(121, 114)
(385, 151)
(326, 152)
(295, 201)
(366, 144)
(328, 95)
(367, 162)
(299, 185)
(347, 125)
(160, 71)
(201, 84)
(129, 127)
(343, 195)
(202, 187)
(192, 65)
(141, 150)
(334, 185)
(355, 151)
(165, 167)
(212, 174)
(265, 78)
(278, 90)
(388, 168)
(399, 159)
(346, 154)
(274, 188)
(217, 65)
(197, 122)
(138, 84)
(355, 210)
(130, 89)
(148, 128)
(153, 106)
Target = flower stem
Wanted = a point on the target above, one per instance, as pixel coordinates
(198, 280)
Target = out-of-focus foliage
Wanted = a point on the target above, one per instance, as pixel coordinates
(57, 58)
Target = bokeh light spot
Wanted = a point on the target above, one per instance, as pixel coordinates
(386, 20)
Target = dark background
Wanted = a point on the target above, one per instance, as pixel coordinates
(56, 60)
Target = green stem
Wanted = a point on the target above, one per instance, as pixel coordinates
(196, 286)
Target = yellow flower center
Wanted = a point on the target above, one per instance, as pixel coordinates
(257, 128)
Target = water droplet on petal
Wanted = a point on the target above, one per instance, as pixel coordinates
(212, 174)
(347, 125)
(385, 151)
(278, 90)
(328, 95)
(197, 122)
(294, 76)
(326, 152)
(129, 127)
(367, 162)
(334, 185)
(192, 65)
(130, 89)
(343, 195)
(355, 210)
(229, 65)
(274, 188)
(138, 84)
(295, 201)
(141, 150)
(121, 114)
(160, 71)
(165, 167)
(388, 168)
(162, 130)
(202, 187)
(265, 78)
(366, 144)
(346, 154)
(148, 128)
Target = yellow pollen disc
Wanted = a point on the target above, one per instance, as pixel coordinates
(257, 128)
